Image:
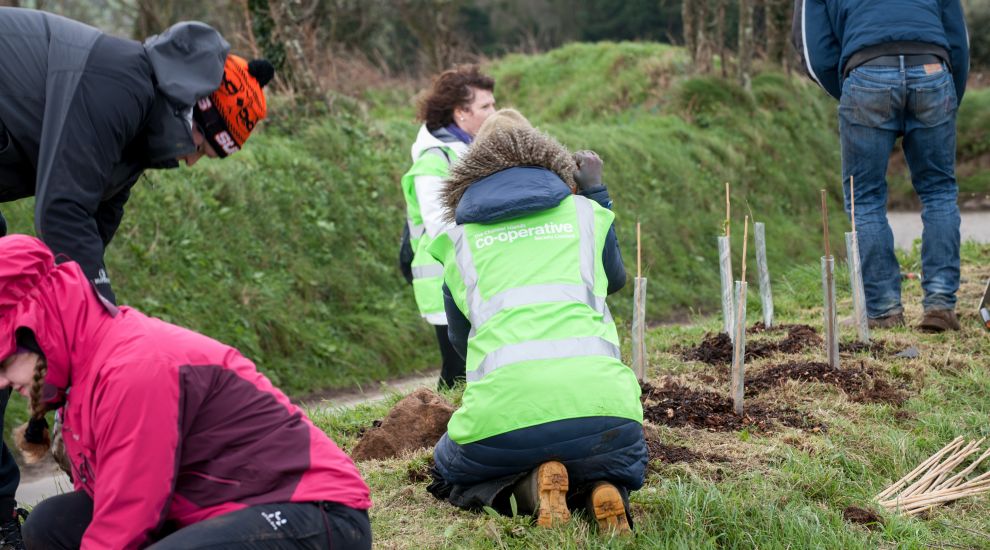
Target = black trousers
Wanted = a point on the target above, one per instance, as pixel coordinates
(452, 366)
(10, 475)
(59, 523)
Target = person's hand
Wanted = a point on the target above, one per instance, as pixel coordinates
(589, 172)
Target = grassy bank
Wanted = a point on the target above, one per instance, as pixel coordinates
(287, 250)
(758, 486)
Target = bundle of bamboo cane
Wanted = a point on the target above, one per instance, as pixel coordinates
(933, 482)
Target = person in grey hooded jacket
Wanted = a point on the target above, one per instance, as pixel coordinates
(83, 114)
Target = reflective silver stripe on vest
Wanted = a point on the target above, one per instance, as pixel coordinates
(465, 263)
(586, 231)
(544, 349)
(415, 231)
(537, 294)
(427, 271)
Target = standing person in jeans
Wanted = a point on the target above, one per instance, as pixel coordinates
(898, 69)
(452, 111)
(175, 440)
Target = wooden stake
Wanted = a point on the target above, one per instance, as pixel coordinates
(936, 471)
(728, 211)
(938, 484)
(639, 254)
(918, 471)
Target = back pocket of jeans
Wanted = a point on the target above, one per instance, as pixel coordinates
(935, 105)
(867, 106)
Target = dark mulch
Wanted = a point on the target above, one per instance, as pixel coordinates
(714, 349)
(869, 518)
(861, 384)
(717, 349)
(876, 348)
(669, 454)
(798, 338)
(676, 405)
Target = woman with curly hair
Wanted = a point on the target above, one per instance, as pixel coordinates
(174, 439)
(550, 415)
(452, 111)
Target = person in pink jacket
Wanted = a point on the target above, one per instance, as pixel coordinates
(175, 440)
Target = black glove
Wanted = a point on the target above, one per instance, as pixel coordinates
(589, 172)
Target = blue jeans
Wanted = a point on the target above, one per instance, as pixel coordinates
(878, 105)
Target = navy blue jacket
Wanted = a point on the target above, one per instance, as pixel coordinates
(827, 33)
(516, 192)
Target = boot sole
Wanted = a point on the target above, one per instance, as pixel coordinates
(610, 513)
(552, 486)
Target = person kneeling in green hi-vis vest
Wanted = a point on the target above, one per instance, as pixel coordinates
(452, 111)
(550, 414)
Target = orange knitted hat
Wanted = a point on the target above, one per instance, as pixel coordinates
(228, 115)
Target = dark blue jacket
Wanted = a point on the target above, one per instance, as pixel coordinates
(516, 192)
(827, 33)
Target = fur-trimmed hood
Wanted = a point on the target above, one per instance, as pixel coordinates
(502, 149)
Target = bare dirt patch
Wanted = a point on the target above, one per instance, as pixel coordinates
(717, 349)
(862, 516)
(677, 405)
(861, 384)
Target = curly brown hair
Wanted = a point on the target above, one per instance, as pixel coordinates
(453, 88)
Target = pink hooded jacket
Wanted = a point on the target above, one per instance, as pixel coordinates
(161, 424)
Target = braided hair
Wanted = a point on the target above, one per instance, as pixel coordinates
(33, 438)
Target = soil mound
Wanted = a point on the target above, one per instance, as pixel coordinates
(417, 421)
(714, 349)
(717, 349)
(676, 405)
(862, 385)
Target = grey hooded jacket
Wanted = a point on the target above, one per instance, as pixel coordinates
(83, 114)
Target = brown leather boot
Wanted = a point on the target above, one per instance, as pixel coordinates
(544, 492)
(606, 506)
(888, 321)
(939, 320)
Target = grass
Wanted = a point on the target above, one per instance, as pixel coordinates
(780, 489)
(288, 250)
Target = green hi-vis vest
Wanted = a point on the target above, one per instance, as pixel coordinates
(427, 272)
(543, 346)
